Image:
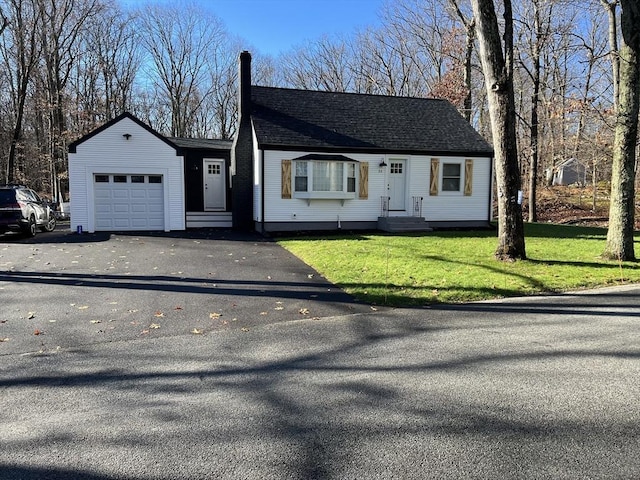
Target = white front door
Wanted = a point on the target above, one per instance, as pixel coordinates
(214, 185)
(397, 184)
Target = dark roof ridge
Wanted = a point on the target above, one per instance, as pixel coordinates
(351, 93)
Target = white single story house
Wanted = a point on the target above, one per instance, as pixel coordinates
(301, 160)
(125, 176)
(316, 160)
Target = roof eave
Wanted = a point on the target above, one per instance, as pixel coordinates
(376, 150)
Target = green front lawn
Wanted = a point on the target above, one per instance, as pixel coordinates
(458, 266)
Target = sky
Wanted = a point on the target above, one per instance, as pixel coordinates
(275, 26)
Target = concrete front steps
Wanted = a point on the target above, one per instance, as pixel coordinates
(403, 224)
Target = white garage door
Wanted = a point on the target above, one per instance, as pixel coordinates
(128, 202)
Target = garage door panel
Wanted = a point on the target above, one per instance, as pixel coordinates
(139, 194)
(121, 194)
(121, 208)
(102, 194)
(139, 208)
(103, 208)
(128, 206)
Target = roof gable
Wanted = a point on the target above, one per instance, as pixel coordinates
(74, 145)
(289, 119)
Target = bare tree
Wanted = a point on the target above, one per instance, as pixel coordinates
(611, 7)
(469, 23)
(219, 110)
(620, 243)
(179, 40)
(20, 52)
(323, 64)
(497, 65)
(115, 43)
(63, 22)
(4, 21)
(538, 34)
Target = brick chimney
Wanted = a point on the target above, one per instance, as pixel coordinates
(242, 152)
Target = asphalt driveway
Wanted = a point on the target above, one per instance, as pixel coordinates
(62, 289)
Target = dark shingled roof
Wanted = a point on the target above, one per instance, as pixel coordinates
(201, 143)
(325, 121)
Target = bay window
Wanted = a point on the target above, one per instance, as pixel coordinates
(324, 179)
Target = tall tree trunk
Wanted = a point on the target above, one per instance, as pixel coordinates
(498, 73)
(470, 31)
(611, 8)
(535, 102)
(622, 206)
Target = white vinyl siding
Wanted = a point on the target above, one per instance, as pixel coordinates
(109, 152)
(441, 208)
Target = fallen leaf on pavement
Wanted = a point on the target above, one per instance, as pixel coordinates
(83, 307)
(37, 332)
(263, 313)
(158, 314)
(96, 321)
(244, 329)
(214, 315)
(154, 326)
(195, 331)
(4, 340)
(304, 311)
(178, 308)
(31, 315)
(374, 309)
(279, 307)
(144, 332)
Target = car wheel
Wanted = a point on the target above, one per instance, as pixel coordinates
(31, 229)
(50, 226)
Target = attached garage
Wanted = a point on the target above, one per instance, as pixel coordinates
(124, 176)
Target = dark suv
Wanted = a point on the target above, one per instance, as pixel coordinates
(22, 210)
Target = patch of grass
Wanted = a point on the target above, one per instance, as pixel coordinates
(458, 266)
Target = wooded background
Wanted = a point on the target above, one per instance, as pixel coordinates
(68, 66)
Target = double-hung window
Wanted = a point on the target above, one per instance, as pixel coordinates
(451, 176)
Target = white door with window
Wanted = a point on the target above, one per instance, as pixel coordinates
(214, 185)
(397, 184)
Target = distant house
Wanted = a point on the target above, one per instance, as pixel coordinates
(126, 176)
(570, 172)
(312, 160)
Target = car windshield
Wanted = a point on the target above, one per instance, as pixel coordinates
(7, 196)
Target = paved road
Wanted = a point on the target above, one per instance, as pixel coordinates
(543, 387)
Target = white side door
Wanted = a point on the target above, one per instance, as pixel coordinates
(214, 185)
(397, 184)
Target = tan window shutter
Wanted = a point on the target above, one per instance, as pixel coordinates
(468, 177)
(433, 184)
(286, 178)
(363, 190)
